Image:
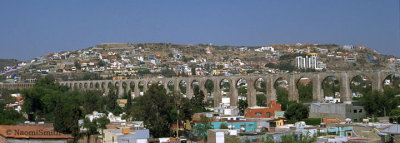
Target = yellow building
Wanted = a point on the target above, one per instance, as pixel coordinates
(119, 78)
(313, 54)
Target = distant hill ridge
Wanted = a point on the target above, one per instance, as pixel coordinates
(7, 62)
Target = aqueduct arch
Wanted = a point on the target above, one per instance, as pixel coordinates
(172, 84)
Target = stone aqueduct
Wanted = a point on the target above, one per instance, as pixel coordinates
(344, 78)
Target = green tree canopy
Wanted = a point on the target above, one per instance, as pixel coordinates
(10, 116)
(379, 103)
(156, 109)
(203, 126)
(305, 92)
(296, 112)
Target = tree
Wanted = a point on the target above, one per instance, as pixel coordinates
(9, 116)
(112, 99)
(93, 101)
(5, 94)
(40, 101)
(286, 66)
(305, 92)
(77, 65)
(129, 101)
(102, 122)
(379, 103)
(91, 128)
(198, 100)
(242, 91)
(59, 124)
(143, 71)
(168, 73)
(101, 63)
(271, 65)
(296, 112)
(156, 109)
(193, 70)
(223, 126)
(77, 113)
(209, 86)
(203, 126)
(261, 100)
(330, 86)
(282, 97)
(242, 106)
(49, 101)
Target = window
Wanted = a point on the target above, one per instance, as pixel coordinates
(360, 111)
(258, 113)
(268, 114)
(272, 124)
(355, 120)
(355, 111)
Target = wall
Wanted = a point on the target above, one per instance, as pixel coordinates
(249, 126)
(339, 111)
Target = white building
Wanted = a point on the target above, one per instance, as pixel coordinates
(348, 47)
(268, 49)
(307, 62)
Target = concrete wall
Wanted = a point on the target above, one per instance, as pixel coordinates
(339, 111)
(216, 136)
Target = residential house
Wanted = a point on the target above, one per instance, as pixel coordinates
(242, 126)
(126, 135)
(263, 112)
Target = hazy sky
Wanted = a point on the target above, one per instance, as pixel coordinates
(34, 28)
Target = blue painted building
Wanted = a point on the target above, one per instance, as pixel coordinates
(341, 131)
(248, 126)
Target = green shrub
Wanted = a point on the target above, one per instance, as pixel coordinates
(313, 121)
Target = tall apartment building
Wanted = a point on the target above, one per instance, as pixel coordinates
(307, 62)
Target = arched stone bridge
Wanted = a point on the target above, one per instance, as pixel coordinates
(16, 85)
(344, 78)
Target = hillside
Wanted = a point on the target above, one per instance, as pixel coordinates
(137, 60)
(7, 62)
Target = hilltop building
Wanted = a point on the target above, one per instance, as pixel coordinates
(311, 62)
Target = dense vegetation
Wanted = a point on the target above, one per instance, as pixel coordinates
(282, 97)
(305, 92)
(50, 102)
(160, 110)
(10, 116)
(381, 103)
(297, 112)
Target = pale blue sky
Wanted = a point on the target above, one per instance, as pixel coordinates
(34, 28)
